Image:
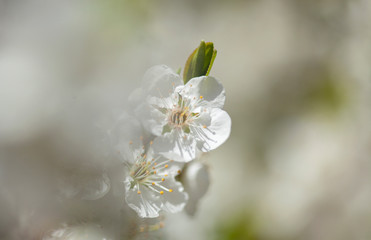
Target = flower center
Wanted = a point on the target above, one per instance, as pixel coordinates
(150, 174)
(178, 117)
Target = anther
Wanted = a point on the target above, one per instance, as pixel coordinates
(153, 183)
(201, 97)
(166, 175)
(162, 192)
(139, 192)
(131, 142)
(162, 179)
(204, 126)
(166, 166)
(170, 190)
(151, 142)
(179, 171)
(154, 172)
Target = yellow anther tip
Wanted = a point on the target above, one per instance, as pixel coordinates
(204, 126)
(179, 171)
(201, 97)
(166, 175)
(155, 172)
(162, 192)
(162, 179)
(139, 192)
(166, 166)
(153, 183)
(151, 142)
(170, 190)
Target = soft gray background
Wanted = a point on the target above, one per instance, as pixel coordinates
(297, 77)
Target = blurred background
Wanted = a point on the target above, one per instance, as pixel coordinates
(297, 78)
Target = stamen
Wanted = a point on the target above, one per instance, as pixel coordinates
(162, 192)
(139, 192)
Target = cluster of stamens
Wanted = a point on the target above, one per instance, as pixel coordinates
(180, 115)
(149, 173)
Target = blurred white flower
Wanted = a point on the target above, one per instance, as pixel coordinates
(79, 232)
(87, 186)
(151, 185)
(196, 181)
(186, 118)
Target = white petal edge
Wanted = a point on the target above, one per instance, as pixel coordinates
(217, 132)
(210, 88)
(160, 80)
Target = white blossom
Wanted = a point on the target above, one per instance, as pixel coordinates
(187, 119)
(150, 184)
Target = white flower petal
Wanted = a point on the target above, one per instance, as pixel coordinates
(216, 133)
(146, 204)
(176, 200)
(211, 90)
(153, 120)
(126, 131)
(160, 80)
(174, 146)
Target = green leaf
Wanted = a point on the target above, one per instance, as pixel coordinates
(199, 63)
